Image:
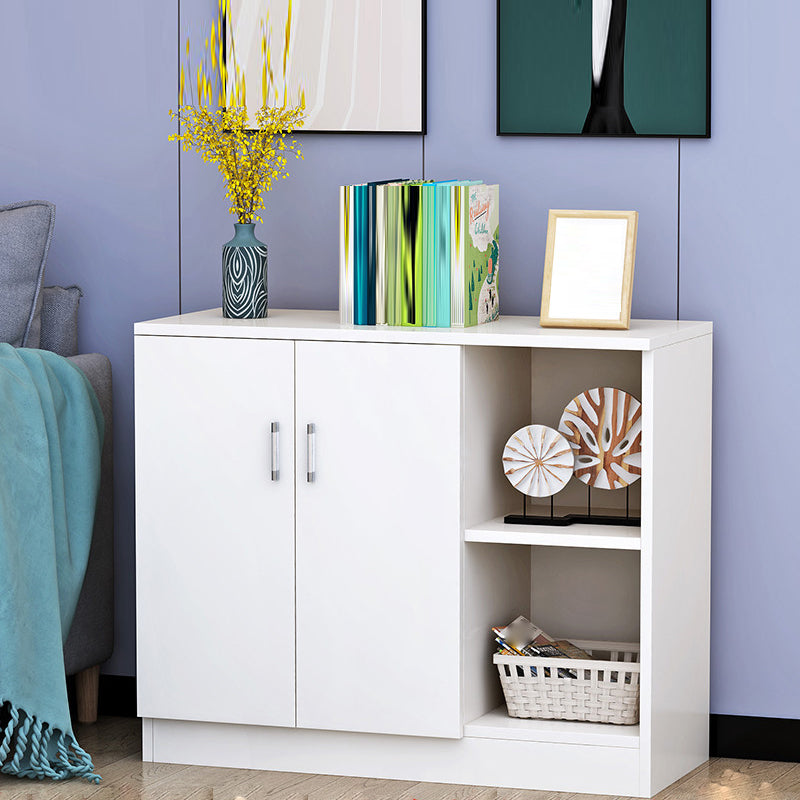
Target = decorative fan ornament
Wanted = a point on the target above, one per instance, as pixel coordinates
(538, 461)
(604, 428)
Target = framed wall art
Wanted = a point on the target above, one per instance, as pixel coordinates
(604, 67)
(361, 64)
(588, 269)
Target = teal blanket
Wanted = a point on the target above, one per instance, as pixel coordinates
(51, 432)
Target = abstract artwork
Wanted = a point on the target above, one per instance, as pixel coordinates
(361, 63)
(604, 67)
(604, 428)
(538, 461)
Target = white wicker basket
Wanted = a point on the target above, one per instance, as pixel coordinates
(602, 691)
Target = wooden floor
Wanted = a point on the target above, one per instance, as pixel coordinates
(115, 747)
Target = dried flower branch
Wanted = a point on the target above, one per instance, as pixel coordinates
(216, 124)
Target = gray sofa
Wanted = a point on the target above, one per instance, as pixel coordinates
(47, 318)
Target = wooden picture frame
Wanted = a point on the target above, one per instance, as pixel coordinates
(588, 269)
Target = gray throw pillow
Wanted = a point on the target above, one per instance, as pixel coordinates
(25, 232)
(60, 319)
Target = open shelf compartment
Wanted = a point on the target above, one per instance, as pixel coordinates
(579, 582)
(509, 388)
(498, 725)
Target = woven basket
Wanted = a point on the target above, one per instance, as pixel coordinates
(602, 691)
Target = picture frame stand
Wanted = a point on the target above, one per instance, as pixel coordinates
(571, 519)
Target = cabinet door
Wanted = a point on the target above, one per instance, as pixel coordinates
(378, 538)
(214, 532)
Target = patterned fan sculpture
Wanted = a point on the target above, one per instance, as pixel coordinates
(604, 428)
(538, 461)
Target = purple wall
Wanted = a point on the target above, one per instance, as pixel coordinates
(75, 138)
(83, 124)
(740, 268)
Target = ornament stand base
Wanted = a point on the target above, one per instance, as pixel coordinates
(573, 519)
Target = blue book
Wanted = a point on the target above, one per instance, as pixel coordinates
(437, 258)
(442, 256)
(441, 250)
(360, 258)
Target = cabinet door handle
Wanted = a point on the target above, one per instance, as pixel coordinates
(274, 453)
(311, 452)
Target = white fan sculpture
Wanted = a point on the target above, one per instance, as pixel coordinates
(538, 461)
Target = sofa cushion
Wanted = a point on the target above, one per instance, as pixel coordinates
(25, 232)
(60, 319)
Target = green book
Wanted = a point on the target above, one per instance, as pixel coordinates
(381, 273)
(411, 255)
(391, 246)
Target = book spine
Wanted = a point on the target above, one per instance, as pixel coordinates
(360, 313)
(458, 222)
(346, 255)
(372, 251)
(381, 287)
(494, 264)
(412, 256)
(390, 252)
(398, 257)
(442, 256)
(470, 271)
(428, 194)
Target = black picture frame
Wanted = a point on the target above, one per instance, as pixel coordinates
(423, 88)
(706, 134)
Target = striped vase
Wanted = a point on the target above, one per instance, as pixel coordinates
(244, 275)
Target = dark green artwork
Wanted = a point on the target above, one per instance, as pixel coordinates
(603, 67)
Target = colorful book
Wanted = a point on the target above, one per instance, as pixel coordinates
(360, 257)
(441, 249)
(381, 272)
(376, 264)
(474, 254)
(411, 255)
(372, 250)
(391, 247)
(346, 238)
(441, 255)
(429, 264)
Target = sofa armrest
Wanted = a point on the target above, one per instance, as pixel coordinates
(91, 637)
(59, 329)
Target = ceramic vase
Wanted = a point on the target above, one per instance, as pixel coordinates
(244, 275)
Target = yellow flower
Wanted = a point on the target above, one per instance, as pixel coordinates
(249, 160)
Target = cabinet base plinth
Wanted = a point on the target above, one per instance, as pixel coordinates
(471, 760)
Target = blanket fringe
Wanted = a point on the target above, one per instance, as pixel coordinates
(24, 749)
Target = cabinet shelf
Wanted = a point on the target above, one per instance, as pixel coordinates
(498, 725)
(600, 537)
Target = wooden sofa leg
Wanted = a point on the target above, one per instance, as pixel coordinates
(87, 688)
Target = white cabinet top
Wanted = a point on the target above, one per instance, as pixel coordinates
(505, 332)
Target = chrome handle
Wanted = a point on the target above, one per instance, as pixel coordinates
(274, 456)
(311, 452)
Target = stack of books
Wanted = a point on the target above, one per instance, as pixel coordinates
(419, 253)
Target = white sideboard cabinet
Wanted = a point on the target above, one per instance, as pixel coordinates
(321, 551)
